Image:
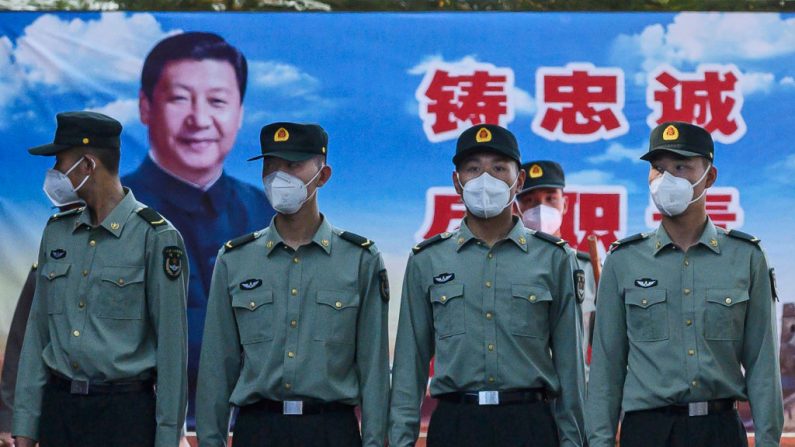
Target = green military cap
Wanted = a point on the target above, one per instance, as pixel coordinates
(291, 141)
(82, 129)
(680, 138)
(486, 137)
(542, 174)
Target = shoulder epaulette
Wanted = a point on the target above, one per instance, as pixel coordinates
(355, 239)
(627, 240)
(430, 241)
(63, 214)
(744, 236)
(151, 216)
(550, 238)
(242, 240)
(584, 255)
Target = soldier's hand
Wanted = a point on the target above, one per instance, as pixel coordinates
(6, 440)
(183, 442)
(25, 442)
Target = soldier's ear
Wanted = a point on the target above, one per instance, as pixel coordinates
(712, 176)
(324, 176)
(457, 183)
(565, 204)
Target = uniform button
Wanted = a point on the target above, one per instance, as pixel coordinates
(489, 315)
(288, 386)
(85, 272)
(81, 304)
(290, 354)
(491, 347)
(252, 305)
(687, 262)
(75, 365)
(338, 304)
(694, 383)
(443, 298)
(490, 255)
(121, 281)
(294, 292)
(293, 323)
(488, 283)
(51, 275)
(687, 291)
(76, 333)
(644, 301)
(691, 352)
(296, 260)
(728, 300)
(532, 298)
(491, 379)
(689, 322)
(92, 242)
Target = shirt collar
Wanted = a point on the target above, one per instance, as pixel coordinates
(709, 238)
(321, 238)
(182, 194)
(115, 221)
(518, 235)
(206, 187)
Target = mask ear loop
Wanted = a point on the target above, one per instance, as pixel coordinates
(312, 180)
(704, 192)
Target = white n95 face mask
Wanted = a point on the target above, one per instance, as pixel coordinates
(59, 188)
(672, 195)
(285, 192)
(486, 196)
(543, 218)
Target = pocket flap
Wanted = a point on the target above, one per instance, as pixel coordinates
(337, 299)
(444, 293)
(251, 299)
(727, 297)
(533, 294)
(644, 297)
(122, 276)
(54, 270)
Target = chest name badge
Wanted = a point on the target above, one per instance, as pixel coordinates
(443, 278)
(58, 253)
(250, 284)
(645, 283)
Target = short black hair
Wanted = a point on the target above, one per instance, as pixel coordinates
(192, 46)
(108, 158)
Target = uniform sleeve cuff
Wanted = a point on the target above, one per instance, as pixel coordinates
(167, 436)
(25, 425)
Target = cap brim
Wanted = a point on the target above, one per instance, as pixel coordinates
(48, 149)
(548, 185)
(481, 148)
(286, 155)
(654, 152)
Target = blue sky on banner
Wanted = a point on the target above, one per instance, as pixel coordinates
(357, 75)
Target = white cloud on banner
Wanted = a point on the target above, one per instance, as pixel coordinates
(783, 171)
(124, 110)
(589, 177)
(756, 82)
(71, 55)
(617, 152)
(291, 93)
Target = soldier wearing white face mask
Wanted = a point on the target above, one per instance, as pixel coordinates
(542, 205)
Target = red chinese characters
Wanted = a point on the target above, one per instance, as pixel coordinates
(454, 97)
(580, 103)
(443, 212)
(723, 207)
(710, 98)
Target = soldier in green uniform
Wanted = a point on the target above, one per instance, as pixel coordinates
(685, 318)
(107, 323)
(496, 304)
(296, 329)
(542, 205)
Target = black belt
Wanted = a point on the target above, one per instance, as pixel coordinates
(496, 397)
(84, 387)
(697, 408)
(298, 407)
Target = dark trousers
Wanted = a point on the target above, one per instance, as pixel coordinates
(98, 420)
(653, 428)
(471, 425)
(256, 427)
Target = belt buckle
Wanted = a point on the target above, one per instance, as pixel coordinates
(698, 408)
(488, 398)
(79, 387)
(293, 407)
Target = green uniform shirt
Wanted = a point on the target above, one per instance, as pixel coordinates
(499, 318)
(310, 323)
(106, 309)
(676, 327)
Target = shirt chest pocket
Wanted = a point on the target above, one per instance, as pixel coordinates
(724, 314)
(254, 312)
(530, 310)
(448, 309)
(55, 277)
(121, 293)
(338, 313)
(647, 314)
